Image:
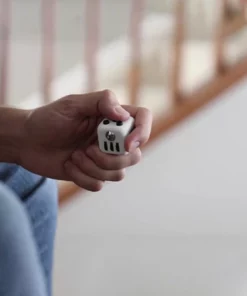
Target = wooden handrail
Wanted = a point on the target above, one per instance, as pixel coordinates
(5, 21)
(136, 17)
(48, 43)
(235, 18)
(235, 25)
(229, 23)
(220, 65)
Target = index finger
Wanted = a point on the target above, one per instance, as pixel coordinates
(103, 103)
(143, 126)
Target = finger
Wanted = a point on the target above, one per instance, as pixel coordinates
(113, 162)
(102, 103)
(87, 166)
(81, 179)
(143, 126)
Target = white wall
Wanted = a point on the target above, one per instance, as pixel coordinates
(176, 226)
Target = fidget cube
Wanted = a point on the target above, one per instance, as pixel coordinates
(112, 135)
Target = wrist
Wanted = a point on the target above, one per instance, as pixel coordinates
(12, 133)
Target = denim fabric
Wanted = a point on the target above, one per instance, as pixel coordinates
(28, 215)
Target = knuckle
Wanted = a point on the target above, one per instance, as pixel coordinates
(68, 172)
(98, 174)
(76, 158)
(67, 106)
(108, 96)
(114, 164)
(144, 139)
(104, 163)
(147, 112)
(93, 153)
(118, 164)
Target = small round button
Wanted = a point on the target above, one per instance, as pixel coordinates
(119, 123)
(110, 136)
(105, 122)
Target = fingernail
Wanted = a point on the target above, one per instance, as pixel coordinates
(134, 146)
(119, 110)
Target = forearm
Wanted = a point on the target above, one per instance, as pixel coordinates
(12, 122)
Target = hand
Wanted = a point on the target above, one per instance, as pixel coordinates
(61, 139)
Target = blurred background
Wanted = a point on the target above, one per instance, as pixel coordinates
(177, 224)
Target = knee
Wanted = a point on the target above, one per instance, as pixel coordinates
(20, 272)
(42, 206)
(47, 196)
(13, 217)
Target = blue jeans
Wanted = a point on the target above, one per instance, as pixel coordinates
(28, 214)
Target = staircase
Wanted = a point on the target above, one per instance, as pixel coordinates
(173, 62)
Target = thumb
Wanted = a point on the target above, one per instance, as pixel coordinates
(102, 103)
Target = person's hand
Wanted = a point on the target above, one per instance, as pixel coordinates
(61, 139)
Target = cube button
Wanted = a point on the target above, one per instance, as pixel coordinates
(106, 121)
(110, 136)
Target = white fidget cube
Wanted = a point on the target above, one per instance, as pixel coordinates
(112, 135)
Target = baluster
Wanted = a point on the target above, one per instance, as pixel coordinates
(92, 40)
(5, 23)
(48, 46)
(137, 13)
(220, 38)
(179, 36)
(243, 7)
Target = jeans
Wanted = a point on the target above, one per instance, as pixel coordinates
(28, 215)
